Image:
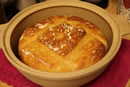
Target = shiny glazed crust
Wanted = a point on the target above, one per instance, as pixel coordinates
(62, 44)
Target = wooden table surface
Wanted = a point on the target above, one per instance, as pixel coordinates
(112, 8)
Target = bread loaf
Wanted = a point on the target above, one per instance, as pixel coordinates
(62, 44)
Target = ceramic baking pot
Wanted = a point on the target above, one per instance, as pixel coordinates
(113, 27)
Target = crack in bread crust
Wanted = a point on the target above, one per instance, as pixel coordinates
(62, 38)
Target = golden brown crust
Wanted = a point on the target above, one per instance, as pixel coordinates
(62, 44)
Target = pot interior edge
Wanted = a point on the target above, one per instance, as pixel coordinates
(36, 16)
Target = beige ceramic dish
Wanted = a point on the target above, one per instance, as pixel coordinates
(113, 27)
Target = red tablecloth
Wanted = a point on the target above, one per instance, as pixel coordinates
(126, 3)
(116, 74)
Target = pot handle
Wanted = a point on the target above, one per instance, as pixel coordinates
(2, 28)
(123, 24)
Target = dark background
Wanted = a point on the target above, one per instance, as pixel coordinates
(8, 8)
